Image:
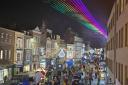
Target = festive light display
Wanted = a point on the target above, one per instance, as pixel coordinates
(78, 11)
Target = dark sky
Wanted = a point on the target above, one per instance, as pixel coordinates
(29, 13)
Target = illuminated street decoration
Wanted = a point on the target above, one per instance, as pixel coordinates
(78, 11)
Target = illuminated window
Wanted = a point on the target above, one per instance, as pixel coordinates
(10, 38)
(122, 5)
(9, 54)
(19, 43)
(6, 38)
(5, 54)
(2, 35)
(1, 54)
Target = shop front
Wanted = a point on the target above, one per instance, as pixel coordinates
(43, 63)
(17, 69)
(26, 68)
(1, 75)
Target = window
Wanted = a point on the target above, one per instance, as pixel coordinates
(119, 71)
(119, 39)
(126, 1)
(19, 43)
(126, 35)
(116, 69)
(122, 38)
(119, 7)
(113, 45)
(6, 38)
(5, 54)
(1, 54)
(117, 12)
(27, 55)
(122, 74)
(2, 35)
(122, 5)
(9, 54)
(10, 38)
(18, 56)
(126, 75)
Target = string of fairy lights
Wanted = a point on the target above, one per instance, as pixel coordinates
(76, 9)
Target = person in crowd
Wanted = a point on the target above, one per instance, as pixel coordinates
(83, 77)
(90, 78)
(98, 79)
(25, 81)
(5, 79)
(31, 80)
(48, 82)
(38, 77)
(86, 78)
(65, 78)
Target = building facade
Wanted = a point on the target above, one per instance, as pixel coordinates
(27, 59)
(18, 52)
(36, 44)
(7, 39)
(78, 43)
(117, 46)
(69, 36)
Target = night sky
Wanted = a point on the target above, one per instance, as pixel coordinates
(30, 13)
